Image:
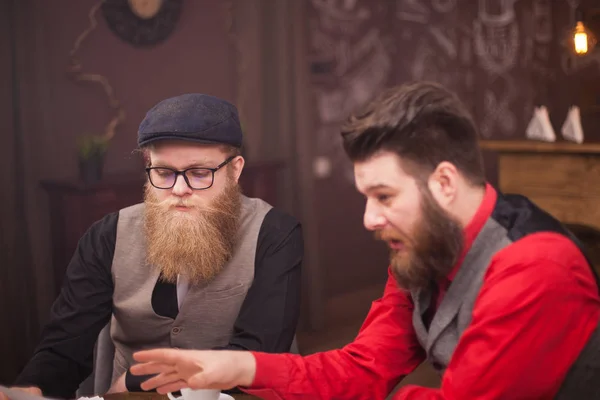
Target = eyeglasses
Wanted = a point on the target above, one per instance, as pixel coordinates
(196, 178)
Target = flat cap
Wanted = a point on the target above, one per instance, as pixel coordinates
(193, 117)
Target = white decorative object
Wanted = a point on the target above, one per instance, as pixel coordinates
(539, 127)
(571, 128)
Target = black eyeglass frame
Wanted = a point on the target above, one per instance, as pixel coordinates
(185, 178)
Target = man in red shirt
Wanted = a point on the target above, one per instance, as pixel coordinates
(490, 289)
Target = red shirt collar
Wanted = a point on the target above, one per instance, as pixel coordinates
(475, 225)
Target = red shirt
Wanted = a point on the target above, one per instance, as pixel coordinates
(537, 307)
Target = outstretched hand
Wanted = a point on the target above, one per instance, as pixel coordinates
(196, 369)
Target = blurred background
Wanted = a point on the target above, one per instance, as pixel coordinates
(80, 75)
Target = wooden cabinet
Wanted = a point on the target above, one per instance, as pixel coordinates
(74, 207)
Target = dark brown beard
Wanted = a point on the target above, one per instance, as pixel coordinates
(196, 244)
(434, 247)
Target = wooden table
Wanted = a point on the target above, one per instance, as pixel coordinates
(156, 396)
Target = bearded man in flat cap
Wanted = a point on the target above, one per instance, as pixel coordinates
(198, 265)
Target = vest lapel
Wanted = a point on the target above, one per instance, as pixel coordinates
(470, 273)
(421, 300)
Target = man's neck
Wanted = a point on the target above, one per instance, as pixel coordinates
(469, 203)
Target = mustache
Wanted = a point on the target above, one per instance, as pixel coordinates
(387, 235)
(168, 203)
(171, 202)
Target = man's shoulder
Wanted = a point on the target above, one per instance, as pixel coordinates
(279, 228)
(274, 217)
(539, 251)
(132, 211)
(278, 220)
(105, 225)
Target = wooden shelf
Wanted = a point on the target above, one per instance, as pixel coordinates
(533, 146)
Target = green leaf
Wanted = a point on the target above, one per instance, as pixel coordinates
(92, 146)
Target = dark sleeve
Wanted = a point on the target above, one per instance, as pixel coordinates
(64, 357)
(269, 315)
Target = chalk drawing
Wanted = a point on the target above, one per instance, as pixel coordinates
(435, 57)
(322, 43)
(466, 62)
(443, 6)
(542, 21)
(428, 65)
(466, 54)
(496, 36)
(348, 54)
(343, 34)
(412, 11)
(341, 16)
(498, 114)
(445, 40)
(362, 84)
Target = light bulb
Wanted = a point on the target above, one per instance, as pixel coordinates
(581, 39)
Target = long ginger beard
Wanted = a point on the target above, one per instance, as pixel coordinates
(197, 243)
(432, 250)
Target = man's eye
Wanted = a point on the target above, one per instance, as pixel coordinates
(200, 173)
(163, 172)
(382, 198)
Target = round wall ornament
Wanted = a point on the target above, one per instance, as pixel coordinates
(142, 23)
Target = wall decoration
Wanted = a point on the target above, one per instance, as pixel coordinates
(92, 147)
(351, 60)
(142, 23)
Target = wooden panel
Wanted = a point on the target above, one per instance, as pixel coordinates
(533, 146)
(564, 175)
(565, 185)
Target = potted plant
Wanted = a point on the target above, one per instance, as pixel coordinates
(91, 152)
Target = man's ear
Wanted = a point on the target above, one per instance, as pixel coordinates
(443, 183)
(237, 165)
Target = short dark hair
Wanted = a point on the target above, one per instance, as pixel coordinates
(423, 123)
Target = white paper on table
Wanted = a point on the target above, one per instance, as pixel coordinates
(539, 127)
(571, 128)
(20, 395)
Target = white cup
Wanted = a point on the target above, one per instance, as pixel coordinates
(199, 394)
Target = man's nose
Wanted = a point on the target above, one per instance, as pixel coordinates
(181, 187)
(373, 218)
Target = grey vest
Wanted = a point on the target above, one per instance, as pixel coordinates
(208, 312)
(454, 313)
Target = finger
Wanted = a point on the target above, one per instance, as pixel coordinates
(151, 368)
(165, 356)
(172, 387)
(162, 379)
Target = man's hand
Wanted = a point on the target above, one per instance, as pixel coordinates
(195, 369)
(118, 386)
(31, 390)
